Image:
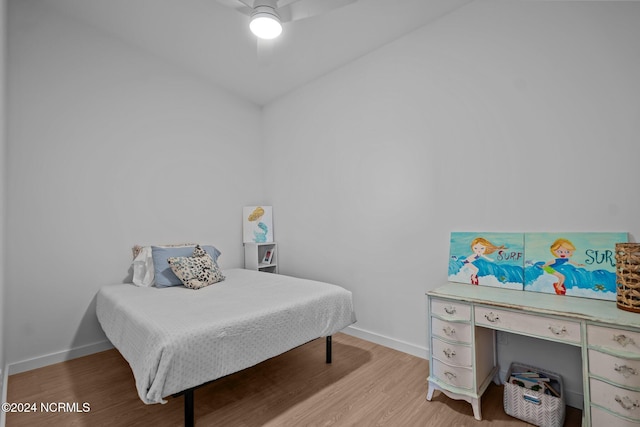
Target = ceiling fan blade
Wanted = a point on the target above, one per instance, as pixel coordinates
(243, 6)
(307, 8)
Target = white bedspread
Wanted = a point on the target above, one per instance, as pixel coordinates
(177, 338)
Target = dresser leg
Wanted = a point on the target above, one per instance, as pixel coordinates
(475, 403)
(430, 392)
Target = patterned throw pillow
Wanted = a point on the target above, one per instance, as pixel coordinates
(198, 270)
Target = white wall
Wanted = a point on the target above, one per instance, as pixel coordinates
(108, 147)
(502, 116)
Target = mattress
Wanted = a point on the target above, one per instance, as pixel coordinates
(177, 338)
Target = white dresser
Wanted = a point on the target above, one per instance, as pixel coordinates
(462, 324)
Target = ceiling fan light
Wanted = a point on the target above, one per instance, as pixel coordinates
(265, 23)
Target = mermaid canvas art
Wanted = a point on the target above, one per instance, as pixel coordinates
(487, 259)
(574, 264)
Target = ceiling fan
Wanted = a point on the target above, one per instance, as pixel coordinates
(267, 16)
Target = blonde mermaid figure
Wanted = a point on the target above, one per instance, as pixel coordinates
(481, 247)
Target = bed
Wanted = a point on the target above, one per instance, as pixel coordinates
(176, 339)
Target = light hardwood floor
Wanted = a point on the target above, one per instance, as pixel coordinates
(366, 385)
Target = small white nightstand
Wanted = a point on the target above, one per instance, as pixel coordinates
(255, 253)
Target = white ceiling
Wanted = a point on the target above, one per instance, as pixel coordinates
(214, 41)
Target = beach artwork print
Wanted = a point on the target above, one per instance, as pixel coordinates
(257, 224)
(487, 259)
(574, 264)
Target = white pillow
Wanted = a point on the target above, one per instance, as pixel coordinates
(143, 268)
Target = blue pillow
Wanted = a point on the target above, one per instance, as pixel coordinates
(164, 276)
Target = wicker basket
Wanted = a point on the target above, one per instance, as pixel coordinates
(534, 407)
(628, 276)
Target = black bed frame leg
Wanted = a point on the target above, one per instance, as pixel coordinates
(189, 420)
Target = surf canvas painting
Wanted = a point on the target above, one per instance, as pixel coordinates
(574, 264)
(487, 259)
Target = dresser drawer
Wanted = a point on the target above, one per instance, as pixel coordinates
(456, 354)
(601, 418)
(545, 327)
(617, 369)
(613, 339)
(451, 310)
(456, 376)
(455, 331)
(619, 400)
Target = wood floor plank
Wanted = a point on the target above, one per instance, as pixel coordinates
(366, 385)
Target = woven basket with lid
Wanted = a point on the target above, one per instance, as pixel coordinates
(628, 276)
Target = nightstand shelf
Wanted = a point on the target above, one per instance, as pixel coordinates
(254, 254)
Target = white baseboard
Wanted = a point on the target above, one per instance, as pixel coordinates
(393, 343)
(62, 356)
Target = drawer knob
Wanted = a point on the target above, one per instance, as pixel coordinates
(449, 353)
(450, 309)
(448, 330)
(625, 370)
(450, 375)
(557, 330)
(623, 340)
(492, 317)
(627, 403)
